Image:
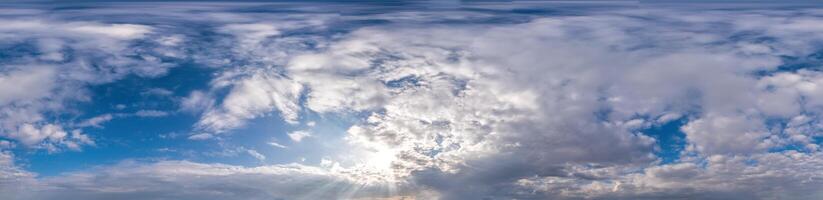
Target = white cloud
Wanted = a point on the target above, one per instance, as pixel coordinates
(118, 31)
(726, 134)
(252, 97)
(278, 145)
(96, 121)
(151, 113)
(257, 84)
(35, 135)
(201, 136)
(256, 155)
(26, 84)
(298, 136)
(172, 40)
(196, 101)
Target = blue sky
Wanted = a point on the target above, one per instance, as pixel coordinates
(410, 100)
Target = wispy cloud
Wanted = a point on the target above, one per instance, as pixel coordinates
(256, 155)
(278, 145)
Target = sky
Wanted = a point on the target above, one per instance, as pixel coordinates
(451, 100)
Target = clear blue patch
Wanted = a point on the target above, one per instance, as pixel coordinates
(811, 62)
(128, 136)
(408, 81)
(670, 139)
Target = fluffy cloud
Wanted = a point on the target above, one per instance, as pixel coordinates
(26, 84)
(720, 134)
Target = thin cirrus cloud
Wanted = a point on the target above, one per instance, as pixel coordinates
(461, 101)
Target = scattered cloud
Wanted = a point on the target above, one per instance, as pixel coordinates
(253, 97)
(157, 92)
(151, 113)
(196, 102)
(298, 136)
(256, 155)
(96, 121)
(278, 145)
(66, 56)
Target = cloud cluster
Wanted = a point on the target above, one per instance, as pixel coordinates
(552, 107)
(47, 63)
(516, 105)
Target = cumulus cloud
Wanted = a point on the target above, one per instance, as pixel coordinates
(201, 136)
(157, 92)
(53, 135)
(719, 134)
